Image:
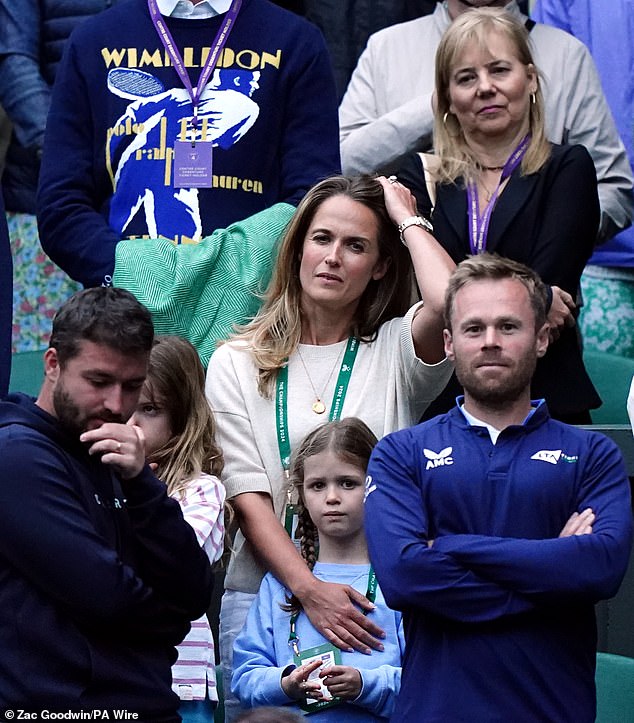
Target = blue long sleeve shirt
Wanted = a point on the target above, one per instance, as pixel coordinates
(498, 612)
(261, 652)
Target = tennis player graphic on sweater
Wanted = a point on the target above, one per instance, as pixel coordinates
(226, 113)
(116, 159)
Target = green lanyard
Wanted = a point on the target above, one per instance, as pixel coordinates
(293, 638)
(281, 393)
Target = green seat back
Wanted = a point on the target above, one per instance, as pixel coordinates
(612, 376)
(27, 372)
(615, 688)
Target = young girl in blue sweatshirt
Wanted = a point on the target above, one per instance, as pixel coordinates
(179, 431)
(279, 658)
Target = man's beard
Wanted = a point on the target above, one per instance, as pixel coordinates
(497, 394)
(71, 418)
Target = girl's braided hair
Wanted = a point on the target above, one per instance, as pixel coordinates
(353, 441)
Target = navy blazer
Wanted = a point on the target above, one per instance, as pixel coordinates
(548, 221)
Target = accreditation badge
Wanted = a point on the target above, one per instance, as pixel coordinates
(193, 164)
(329, 655)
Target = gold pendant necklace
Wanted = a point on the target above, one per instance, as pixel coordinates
(318, 406)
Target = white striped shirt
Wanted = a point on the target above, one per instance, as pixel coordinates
(194, 673)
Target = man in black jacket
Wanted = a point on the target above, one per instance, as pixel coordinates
(99, 573)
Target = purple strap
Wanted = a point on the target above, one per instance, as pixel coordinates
(177, 61)
(479, 224)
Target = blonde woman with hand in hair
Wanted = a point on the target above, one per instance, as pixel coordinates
(336, 336)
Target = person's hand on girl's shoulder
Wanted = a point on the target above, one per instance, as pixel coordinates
(334, 610)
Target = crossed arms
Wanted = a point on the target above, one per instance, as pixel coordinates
(477, 578)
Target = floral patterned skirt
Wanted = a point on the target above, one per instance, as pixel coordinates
(39, 286)
(607, 315)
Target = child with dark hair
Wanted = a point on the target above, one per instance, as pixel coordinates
(279, 657)
(179, 431)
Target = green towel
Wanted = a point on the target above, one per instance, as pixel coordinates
(199, 291)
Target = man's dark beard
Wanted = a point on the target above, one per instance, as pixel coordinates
(71, 418)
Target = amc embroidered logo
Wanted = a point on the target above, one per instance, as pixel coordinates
(438, 459)
(552, 456)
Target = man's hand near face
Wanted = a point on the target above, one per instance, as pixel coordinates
(120, 445)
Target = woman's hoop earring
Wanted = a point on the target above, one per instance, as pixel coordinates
(533, 100)
(444, 119)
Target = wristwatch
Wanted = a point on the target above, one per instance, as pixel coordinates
(414, 221)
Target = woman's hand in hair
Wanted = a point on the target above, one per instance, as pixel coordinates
(399, 201)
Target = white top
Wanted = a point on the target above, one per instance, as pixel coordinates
(494, 433)
(389, 389)
(186, 9)
(386, 112)
(194, 673)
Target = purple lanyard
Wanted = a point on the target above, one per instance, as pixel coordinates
(479, 224)
(177, 61)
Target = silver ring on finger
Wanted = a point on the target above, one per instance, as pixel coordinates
(392, 179)
(118, 446)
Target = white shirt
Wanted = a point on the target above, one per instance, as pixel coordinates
(389, 389)
(186, 9)
(475, 422)
(493, 432)
(193, 674)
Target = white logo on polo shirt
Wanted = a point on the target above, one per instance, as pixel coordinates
(438, 459)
